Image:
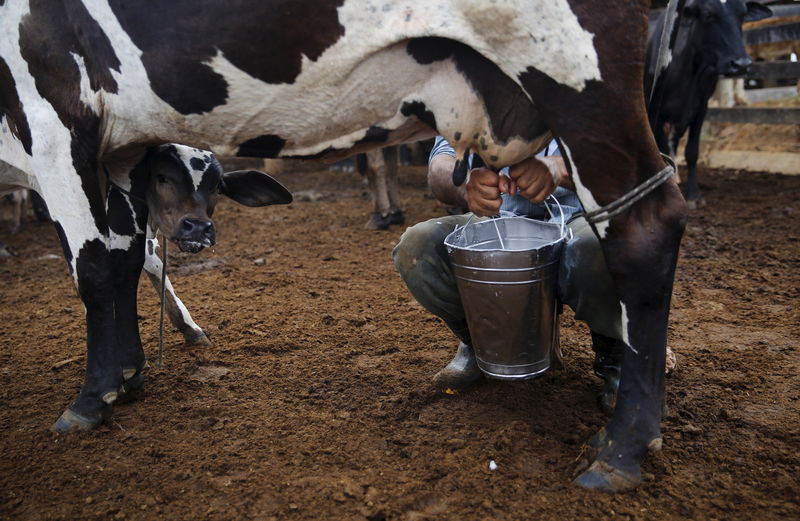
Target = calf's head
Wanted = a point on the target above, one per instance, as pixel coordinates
(716, 27)
(184, 186)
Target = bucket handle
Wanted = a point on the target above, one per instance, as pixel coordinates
(464, 228)
(494, 220)
(499, 236)
(560, 210)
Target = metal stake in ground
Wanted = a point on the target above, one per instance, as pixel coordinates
(160, 362)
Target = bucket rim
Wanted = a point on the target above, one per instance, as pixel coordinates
(563, 237)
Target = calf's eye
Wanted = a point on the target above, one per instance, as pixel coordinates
(161, 179)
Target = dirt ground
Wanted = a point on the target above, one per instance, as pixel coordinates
(315, 401)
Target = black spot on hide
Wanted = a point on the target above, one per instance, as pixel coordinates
(511, 113)
(11, 108)
(374, 135)
(120, 217)
(197, 163)
(267, 40)
(62, 237)
(263, 146)
(418, 109)
(94, 273)
(49, 36)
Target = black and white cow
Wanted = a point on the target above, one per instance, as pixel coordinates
(94, 82)
(708, 44)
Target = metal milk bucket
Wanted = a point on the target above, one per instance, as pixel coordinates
(506, 269)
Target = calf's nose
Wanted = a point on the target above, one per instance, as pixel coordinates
(198, 229)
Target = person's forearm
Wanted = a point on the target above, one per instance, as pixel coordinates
(440, 181)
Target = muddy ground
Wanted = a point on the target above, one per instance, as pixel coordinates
(315, 401)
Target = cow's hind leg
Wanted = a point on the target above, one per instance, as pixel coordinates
(639, 245)
(193, 335)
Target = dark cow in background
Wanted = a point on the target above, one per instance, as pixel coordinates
(709, 44)
(94, 83)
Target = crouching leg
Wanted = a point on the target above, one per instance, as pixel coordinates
(179, 316)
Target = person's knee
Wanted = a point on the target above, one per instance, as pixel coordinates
(415, 243)
(583, 252)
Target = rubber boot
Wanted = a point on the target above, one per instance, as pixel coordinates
(463, 370)
(607, 365)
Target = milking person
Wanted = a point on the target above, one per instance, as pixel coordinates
(583, 279)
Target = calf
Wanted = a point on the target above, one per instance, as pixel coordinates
(709, 44)
(87, 83)
(174, 188)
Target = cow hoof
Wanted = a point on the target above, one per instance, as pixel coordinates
(133, 381)
(196, 339)
(397, 217)
(608, 399)
(70, 421)
(694, 204)
(383, 222)
(602, 476)
(377, 222)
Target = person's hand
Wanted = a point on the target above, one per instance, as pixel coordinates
(483, 191)
(538, 177)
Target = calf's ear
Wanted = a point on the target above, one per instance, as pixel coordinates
(253, 188)
(756, 12)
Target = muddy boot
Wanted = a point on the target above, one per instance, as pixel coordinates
(461, 372)
(607, 365)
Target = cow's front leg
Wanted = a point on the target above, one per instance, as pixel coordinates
(127, 263)
(93, 274)
(193, 335)
(692, 153)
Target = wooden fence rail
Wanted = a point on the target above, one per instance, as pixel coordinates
(769, 116)
(774, 70)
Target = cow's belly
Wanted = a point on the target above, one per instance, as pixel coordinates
(358, 86)
(369, 108)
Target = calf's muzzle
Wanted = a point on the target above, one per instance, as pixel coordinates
(195, 234)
